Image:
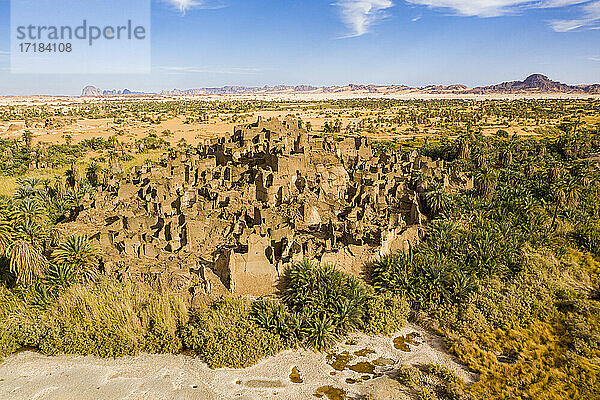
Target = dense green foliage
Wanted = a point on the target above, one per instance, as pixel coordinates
(320, 304)
(497, 273)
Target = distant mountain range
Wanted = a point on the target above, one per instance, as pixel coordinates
(92, 91)
(533, 84)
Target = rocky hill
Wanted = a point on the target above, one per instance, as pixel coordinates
(536, 83)
(92, 91)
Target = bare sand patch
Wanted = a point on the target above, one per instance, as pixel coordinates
(29, 375)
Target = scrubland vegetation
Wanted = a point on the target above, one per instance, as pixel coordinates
(508, 272)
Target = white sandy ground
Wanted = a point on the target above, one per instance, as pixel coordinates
(31, 376)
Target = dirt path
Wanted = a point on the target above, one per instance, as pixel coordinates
(29, 375)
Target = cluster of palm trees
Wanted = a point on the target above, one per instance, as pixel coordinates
(319, 304)
(527, 193)
(33, 248)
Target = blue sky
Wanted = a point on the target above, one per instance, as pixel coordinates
(205, 43)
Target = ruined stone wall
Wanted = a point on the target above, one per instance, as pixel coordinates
(232, 214)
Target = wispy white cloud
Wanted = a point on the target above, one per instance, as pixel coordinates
(589, 10)
(590, 16)
(597, 59)
(185, 5)
(559, 3)
(415, 19)
(360, 15)
(492, 8)
(210, 70)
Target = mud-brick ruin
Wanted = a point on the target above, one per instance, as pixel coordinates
(232, 214)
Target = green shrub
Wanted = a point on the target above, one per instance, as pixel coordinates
(273, 316)
(432, 382)
(393, 273)
(384, 314)
(588, 238)
(408, 375)
(319, 332)
(326, 303)
(224, 335)
(111, 320)
(313, 289)
(108, 320)
(9, 305)
(425, 279)
(320, 289)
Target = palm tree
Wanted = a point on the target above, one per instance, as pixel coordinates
(529, 168)
(58, 209)
(73, 198)
(438, 200)
(31, 181)
(566, 195)
(60, 276)
(320, 333)
(506, 157)
(6, 222)
(31, 210)
(394, 273)
(462, 283)
(464, 149)
(26, 261)
(347, 314)
(584, 173)
(485, 182)
(29, 187)
(432, 273)
(24, 192)
(27, 138)
(481, 160)
(442, 235)
(80, 254)
(91, 173)
(31, 232)
(554, 174)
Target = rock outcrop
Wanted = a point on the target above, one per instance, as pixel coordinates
(91, 91)
(536, 83)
